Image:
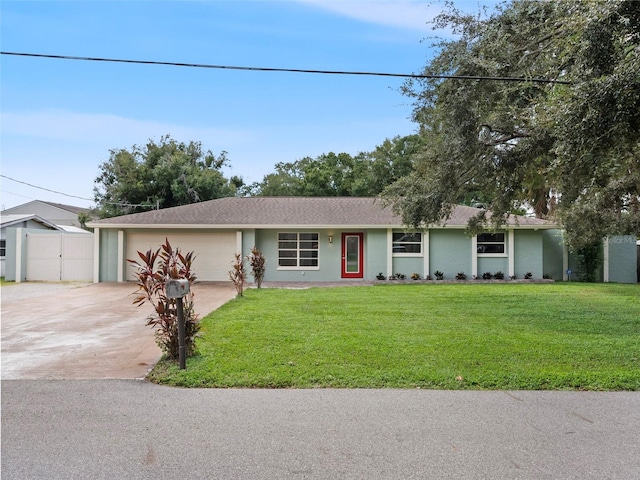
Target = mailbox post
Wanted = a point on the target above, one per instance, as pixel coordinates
(178, 288)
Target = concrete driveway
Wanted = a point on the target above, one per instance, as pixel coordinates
(58, 331)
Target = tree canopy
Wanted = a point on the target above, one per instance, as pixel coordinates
(342, 174)
(567, 151)
(160, 175)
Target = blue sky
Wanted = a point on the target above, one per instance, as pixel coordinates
(60, 118)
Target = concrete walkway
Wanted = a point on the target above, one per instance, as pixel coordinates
(84, 331)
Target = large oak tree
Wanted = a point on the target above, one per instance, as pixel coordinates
(566, 150)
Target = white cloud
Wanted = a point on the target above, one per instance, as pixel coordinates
(114, 130)
(408, 14)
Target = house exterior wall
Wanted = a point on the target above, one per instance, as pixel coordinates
(375, 253)
(552, 254)
(450, 252)
(528, 254)
(329, 256)
(540, 252)
(621, 261)
(493, 265)
(109, 260)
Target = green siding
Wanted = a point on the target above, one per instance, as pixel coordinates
(375, 253)
(492, 265)
(449, 252)
(623, 259)
(108, 255)
(528, 253)
(329, 255)
(552, 254)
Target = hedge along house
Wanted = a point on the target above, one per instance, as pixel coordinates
(326, 239)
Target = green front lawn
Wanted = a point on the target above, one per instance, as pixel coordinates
(451, 336)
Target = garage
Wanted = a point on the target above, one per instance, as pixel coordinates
(214, 251)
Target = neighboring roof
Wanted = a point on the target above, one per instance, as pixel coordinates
(263, 212)
(68, 208)
(10, 220)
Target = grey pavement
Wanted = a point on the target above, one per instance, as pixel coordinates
(74, 331)
(132, 429)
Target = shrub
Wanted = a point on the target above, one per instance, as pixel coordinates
(151, 282)
(461, 276)
(487, 276)
(257, 263)
(401, 276)
(512, 277)
(528, 276)
(380, 276)
(547, 276)
(237, 275)
(498, 275)
(415, 276)
(439, 275)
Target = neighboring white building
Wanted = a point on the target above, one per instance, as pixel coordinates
(20, 221)
(38, 215)
(55, 213)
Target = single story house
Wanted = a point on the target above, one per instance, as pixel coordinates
(314, 239)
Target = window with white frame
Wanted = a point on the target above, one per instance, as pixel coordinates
(3, 248)
(297, 250)
(491, 244)
(407, 243)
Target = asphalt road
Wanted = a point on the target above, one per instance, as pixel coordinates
(131, 429)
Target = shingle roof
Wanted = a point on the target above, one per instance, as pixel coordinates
(280, 211)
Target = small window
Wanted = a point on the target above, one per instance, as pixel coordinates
(3, 248)
(297, 250)
(491, 243)
(407, 242)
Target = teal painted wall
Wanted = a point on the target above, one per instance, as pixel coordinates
(552, 254)
(528, 254)
(375, 253)
(408, 265)
(449, 252)
(623, 259)
(108, 264)
(493, 265)
(329, 256)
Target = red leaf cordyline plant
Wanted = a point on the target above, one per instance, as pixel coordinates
(151, 280)
(257, 262)
(237, 275)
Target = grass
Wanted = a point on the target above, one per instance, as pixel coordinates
(562, 336)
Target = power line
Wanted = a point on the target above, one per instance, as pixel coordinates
(288, 70)
(122, 204)
(46, 189)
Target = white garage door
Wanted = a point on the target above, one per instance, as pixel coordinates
(214, 252)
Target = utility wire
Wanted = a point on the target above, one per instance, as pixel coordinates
(76, 196)
(289, 70)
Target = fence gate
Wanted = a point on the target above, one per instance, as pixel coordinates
(59, 257)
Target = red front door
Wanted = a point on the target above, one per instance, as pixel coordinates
(352, 255)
